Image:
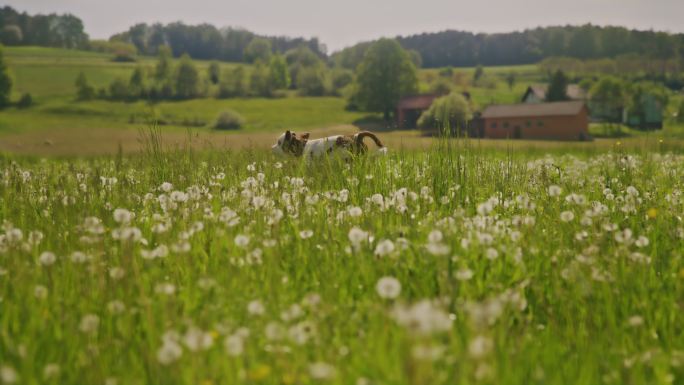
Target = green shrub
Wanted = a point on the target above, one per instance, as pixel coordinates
(229, 120)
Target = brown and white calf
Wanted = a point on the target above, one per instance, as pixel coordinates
(343, 145)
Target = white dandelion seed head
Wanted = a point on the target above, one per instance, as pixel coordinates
(388, 287)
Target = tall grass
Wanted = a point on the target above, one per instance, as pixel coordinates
(236, 267)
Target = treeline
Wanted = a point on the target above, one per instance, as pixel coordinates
(64, 31)
(465, 49)
(272, 75)
(206, 42)
(631, 66)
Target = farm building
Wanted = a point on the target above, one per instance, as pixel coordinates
(557, 120)
(537, 93)
(409, 109)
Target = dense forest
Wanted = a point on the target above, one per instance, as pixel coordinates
(459, 48)
(65, 31)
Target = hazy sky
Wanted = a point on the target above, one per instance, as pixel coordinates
(339, 23)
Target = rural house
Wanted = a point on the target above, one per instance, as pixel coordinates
(537, 93)
(557, 120)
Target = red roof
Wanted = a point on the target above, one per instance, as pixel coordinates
(416, 102)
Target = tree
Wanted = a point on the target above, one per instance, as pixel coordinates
(187, 79)
(280, 77)
(214, 72)
(510, 79)
(311, 81)
(233, 83)
(608, 97)
(162, 70)
(5, 82)
(259, 81)
(11, 35)
(449, 113)
(479, 73)
(384, 76)
(84, 91)
(259, 49)
(558, 88)
(136, 85)
(415, 58)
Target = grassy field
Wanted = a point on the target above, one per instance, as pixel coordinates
(59, 125)
(460, 265)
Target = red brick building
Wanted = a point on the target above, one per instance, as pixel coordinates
(557, 120)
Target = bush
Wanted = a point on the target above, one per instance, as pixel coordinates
(229, 120)
(26, 101)
(441, 87)
(118, 89)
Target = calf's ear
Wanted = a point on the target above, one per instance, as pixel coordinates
(288, 135)
(305, 136)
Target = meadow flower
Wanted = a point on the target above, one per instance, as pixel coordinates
(356, 236)
(480, 346)
(388, 287)
(116, 307)
(40, 292)
(355, 211)
(624, 236)
(491, 253)
(234, 345)
(166, 187)
(641, 241)
(241, 240)
(196, 339)
(8, 375)
(165, 288)
(422, 318)
(89, 323)
(464, 274)
(306, 234)
(47, 258)
(169, 352)
(301, 332)
(256, 308)
(567, 216)
(274, 331)
(554, 191)
(50, 371)
(79, 257)
(384, 247)
(123, 216)
(321, 371)
(116, 273)
(635, 321)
